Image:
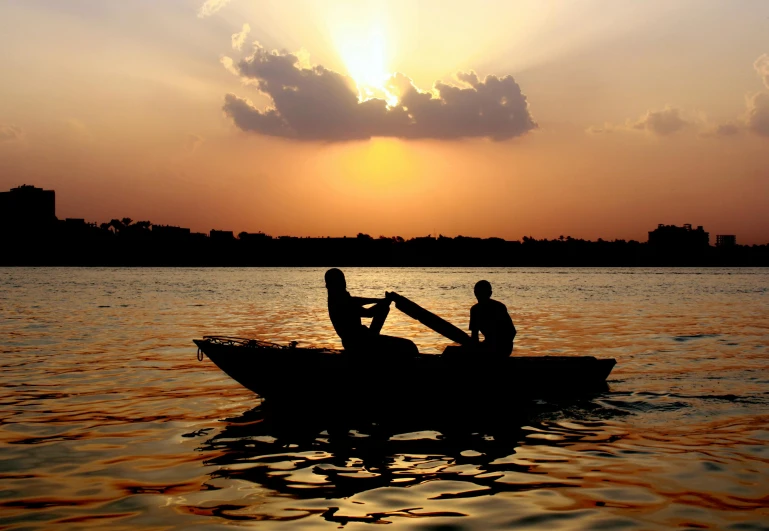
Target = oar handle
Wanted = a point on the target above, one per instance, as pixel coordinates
(429, 319)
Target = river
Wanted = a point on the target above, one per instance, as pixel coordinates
(108, 420)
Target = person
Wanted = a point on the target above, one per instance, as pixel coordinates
(491, 318)
(345, 312)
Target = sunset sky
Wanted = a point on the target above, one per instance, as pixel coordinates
(487, 118)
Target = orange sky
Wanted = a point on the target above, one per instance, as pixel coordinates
(618, 116)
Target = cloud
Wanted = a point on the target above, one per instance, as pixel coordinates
(315, 103)
(238, 39)
(726, 130)
(757, 117)
(210, 7)
(671, 120)
(755, 120)
(762, 68)
(729, 129)
(10, 133)
(662, 123)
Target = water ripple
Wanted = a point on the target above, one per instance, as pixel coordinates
(108, 421)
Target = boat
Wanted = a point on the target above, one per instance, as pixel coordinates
(294, 373)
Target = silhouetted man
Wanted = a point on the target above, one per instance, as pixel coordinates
(346, 311)
(490, 318)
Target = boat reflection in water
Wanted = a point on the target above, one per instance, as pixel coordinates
(354, 439)
(349, 465)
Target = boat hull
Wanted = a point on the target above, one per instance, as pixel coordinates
(285, 373)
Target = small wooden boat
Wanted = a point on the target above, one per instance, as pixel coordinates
(289, 372)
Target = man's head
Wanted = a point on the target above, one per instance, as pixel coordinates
(335, 280)
(482, 290)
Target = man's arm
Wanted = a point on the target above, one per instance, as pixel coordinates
(473, 326)
(363, 301)
(360, 302)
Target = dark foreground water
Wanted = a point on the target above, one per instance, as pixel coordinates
(108, 421)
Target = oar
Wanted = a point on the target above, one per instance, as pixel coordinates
(430, 320)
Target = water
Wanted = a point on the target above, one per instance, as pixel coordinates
(107, 420)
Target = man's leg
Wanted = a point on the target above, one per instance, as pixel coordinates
(455, 352)
(382, 309)
(396, 347)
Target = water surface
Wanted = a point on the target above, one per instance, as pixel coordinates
(107, 420)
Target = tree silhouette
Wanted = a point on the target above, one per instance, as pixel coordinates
(116, 225)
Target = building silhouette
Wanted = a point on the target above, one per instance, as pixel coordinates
(27, 209)
(221, 235)
(726, 240)
(253, 237)
(672, 237)
(170, 233)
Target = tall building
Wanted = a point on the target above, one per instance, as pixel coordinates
(726, 240)
(679, 238)
(27, 208)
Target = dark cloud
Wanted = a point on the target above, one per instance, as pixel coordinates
(662, 123)
(9, 133)
(315, 103)
(758, 114)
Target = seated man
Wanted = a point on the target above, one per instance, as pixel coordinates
(490, 317)
(345, 312)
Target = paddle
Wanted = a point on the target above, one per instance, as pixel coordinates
(430, 320)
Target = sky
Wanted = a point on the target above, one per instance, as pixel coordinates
(512, 118)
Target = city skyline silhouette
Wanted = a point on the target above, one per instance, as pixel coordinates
(28, 218)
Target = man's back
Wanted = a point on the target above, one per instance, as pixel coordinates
(345, 316)
(491, 318)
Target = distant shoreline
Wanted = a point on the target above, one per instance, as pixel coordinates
(334, 264)
(361, 252)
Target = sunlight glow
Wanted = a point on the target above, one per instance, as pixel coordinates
(365, 57)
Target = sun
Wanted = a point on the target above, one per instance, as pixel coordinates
(365, 58)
